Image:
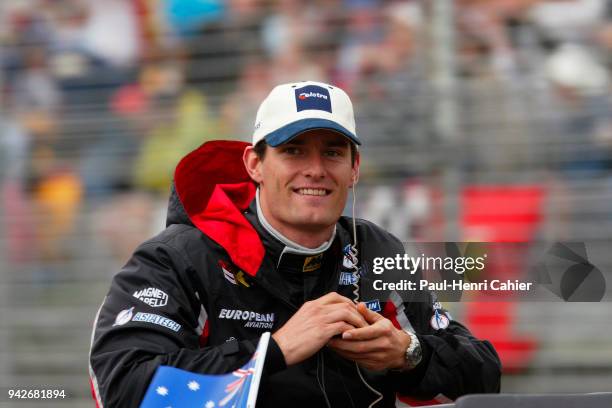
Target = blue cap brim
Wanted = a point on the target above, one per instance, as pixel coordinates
(290, 131)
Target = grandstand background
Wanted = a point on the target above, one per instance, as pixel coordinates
(494, 106)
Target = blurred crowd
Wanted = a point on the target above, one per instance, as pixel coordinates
(100, 99)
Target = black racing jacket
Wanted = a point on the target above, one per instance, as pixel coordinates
(199, 295)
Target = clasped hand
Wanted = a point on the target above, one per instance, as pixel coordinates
(366, 337)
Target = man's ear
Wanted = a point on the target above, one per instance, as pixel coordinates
(252, 164)
(355, 170)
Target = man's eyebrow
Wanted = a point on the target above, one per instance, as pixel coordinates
(337, 143)
(330, 143)
(299, 142)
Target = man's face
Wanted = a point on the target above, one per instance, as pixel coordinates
(304, 183)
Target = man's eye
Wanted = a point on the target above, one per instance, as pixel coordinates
(333, 153)
(292, 150)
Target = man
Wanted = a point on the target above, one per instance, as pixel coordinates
(255, 242)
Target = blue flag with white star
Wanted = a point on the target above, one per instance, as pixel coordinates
(173, 387)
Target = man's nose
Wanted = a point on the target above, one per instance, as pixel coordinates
(315, 167)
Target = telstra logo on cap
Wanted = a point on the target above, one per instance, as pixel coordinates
(305, 95)
(312, 97)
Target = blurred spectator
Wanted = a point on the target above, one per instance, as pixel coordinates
(120, 225)
(315, 25)
(563, 20)
(573, 68)
(119, 46)
(14, 146)
(189, 126)
(581, 84)
(221, 48)
(106, 164)
(35, 87)
(290, 24)
(489, 24)
(89, 60)
(187, 16)
(82, 26)
(603, 37)
(390, 72)
(14, 143)
(406, 209)
(364, 32)
(57, 199)
(240, 107)
(32, 89)
(295, 64)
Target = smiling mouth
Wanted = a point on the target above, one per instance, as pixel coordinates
(312, 191)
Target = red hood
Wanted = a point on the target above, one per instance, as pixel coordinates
(215, 189)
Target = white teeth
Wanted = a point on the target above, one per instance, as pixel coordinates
(312, 191)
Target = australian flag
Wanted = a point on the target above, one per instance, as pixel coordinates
(172, 387)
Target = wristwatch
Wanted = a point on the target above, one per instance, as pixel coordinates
(414, 353)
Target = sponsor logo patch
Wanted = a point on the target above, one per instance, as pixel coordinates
(232, 274)
(124, 316)
(312, 263)
(227, 274)
(439, 321)
(373, 305)
(349, 261)
(252, 319)
(156, 319)
(312, 97)
(152, 296)
(348, 278)
(240, 279)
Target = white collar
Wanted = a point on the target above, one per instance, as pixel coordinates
(291, 246)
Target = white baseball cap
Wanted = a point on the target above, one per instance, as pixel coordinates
(291, 109)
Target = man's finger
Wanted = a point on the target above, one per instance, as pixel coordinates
(372, 355)
(365, 346)
(375, 329)
(370, 316)
(346, 349)
(362, 333)
(341, 345)
(338, 328)
(343, 313)
(334, 297)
